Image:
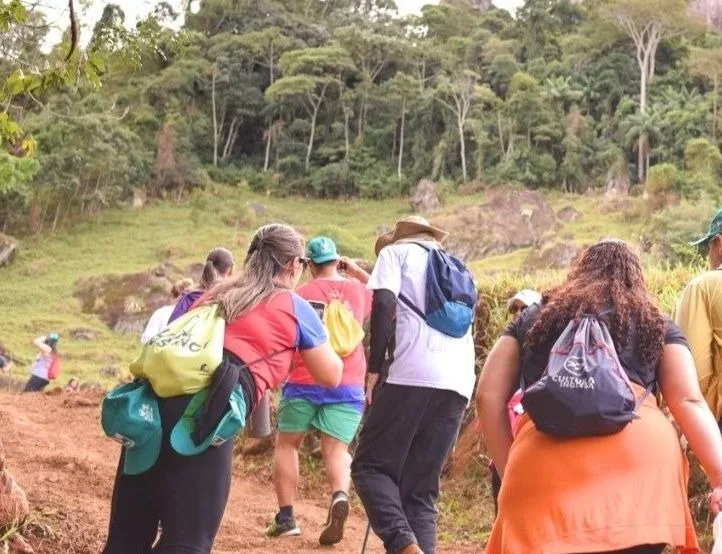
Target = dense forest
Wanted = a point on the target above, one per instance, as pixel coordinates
(339, 98)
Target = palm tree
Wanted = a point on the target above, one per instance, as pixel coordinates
(561, 91)
(643, 130)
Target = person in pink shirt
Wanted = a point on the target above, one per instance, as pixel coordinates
(517, 304)
(307, 406)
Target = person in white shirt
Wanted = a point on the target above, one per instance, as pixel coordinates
(159, 320)
(415, 417)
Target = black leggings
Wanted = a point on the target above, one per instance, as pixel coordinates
(186, 495)
(36, 384)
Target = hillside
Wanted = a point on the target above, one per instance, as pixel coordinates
(39, 289)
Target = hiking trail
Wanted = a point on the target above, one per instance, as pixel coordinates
(58, 453)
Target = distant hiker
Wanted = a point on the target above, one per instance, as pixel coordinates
(592, 357)
(414, 418)
(72, 386)
(522, 300)
(160, 318)
(176, 466)
(699, 315)
(219, 265)
(5, 364)
(344, 305)
(46, 366)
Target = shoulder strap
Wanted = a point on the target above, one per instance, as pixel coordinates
(409, 304)
(271, 355)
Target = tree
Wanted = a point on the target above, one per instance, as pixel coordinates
(647, 23)
(266, 47)
(308, 76)
(457, 92)
(644, 129)
(707, 65)
(371, 52)
(402, 90)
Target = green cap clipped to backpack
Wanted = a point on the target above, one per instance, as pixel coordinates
(130, 416)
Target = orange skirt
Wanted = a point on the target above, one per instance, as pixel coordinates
(595, 494)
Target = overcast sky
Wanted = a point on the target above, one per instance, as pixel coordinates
(57, 10)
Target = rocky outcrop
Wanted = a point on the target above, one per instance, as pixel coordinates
(509, 220)
(425, 197)
(557, 255)
(568, 214)
(14, 507)
(9, 248)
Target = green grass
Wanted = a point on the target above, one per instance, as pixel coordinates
(37, 291)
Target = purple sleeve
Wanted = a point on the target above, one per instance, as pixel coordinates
(311, 332)
(184, 304)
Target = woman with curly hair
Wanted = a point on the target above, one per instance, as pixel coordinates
(622, 493)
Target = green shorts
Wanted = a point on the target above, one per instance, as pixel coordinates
(340, 420)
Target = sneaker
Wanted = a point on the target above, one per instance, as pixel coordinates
(283, 529)
(336, 521)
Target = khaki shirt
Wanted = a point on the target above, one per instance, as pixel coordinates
(699, 315)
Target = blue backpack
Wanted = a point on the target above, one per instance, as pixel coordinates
(450, 294)
(584, 391)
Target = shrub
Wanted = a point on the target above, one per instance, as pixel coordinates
(663, 183)
(346, 241)
(700, 155)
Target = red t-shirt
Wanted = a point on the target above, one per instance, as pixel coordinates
(357, 299)
(267, 337)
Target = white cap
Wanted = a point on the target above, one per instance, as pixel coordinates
(526, 297)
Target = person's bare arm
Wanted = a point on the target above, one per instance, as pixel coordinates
(678, 380)
(323, 364)
(353, 270)
(497, 384)
(39, 343)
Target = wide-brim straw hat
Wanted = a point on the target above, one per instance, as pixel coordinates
(411, 226)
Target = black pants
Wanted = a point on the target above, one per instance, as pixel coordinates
(402, 449)
(36, 384)
(186, 495)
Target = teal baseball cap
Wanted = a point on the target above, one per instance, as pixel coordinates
(229, 426)
(715, 228)
(322, 250)
(130, 415)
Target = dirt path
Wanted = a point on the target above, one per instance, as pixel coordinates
(58, 453)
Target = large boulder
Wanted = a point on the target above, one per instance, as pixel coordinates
(557, 255)
(425, 197)
(568, 214)
(509, 220)
(125, 302)
(9, 248)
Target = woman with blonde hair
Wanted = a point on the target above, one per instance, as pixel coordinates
(624, 492)
(187, 485)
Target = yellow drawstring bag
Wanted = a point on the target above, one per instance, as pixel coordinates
(182, 358)
(344, 332)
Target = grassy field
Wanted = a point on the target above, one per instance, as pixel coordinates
(37, 291)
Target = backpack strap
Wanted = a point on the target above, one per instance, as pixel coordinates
(409, 304)
(404, 299)
(271, 355)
